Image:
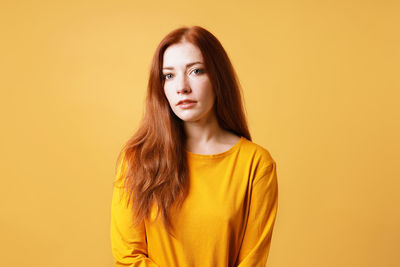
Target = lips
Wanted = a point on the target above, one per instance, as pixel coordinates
(185, 101)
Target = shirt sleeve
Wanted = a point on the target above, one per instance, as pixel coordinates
(263, 208)
(129, 246)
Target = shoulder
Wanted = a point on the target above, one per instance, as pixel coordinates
(121, 169)
(258, 154)
(261, 162)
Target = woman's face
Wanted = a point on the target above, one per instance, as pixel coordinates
(186, 79)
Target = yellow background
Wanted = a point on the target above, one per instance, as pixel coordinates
(321, 87)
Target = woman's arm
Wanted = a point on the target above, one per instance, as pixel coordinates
(263, 207)
(129, 246)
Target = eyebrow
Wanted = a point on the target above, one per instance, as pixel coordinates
(187, 65)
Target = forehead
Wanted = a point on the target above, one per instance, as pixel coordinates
(181, 54)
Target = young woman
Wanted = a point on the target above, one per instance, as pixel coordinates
(191, 187)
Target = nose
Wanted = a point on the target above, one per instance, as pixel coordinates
(183, 85)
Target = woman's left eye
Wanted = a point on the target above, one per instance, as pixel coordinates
(198, 71)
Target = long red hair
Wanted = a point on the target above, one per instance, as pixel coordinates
(154, 158)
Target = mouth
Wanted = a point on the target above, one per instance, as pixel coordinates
(186, 102)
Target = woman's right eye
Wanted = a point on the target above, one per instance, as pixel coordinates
(167, 76)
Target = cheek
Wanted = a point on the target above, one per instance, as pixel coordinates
(208, 94)
(168, 95)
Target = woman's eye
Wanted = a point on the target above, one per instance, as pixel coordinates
(198, 71)
(168, 76)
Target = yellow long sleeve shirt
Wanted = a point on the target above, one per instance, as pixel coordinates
(226, 220)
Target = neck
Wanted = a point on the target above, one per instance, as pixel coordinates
(203, 131)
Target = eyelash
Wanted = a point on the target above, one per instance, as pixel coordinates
(199, 69)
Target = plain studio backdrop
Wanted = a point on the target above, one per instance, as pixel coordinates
(321, 86)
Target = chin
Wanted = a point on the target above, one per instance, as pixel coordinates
(189, 118)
